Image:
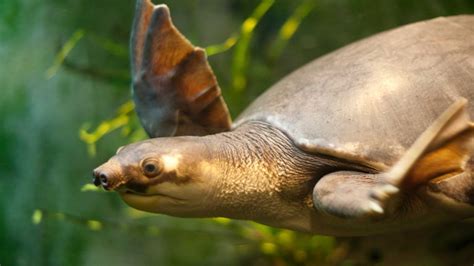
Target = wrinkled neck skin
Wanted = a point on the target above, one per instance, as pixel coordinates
(258, 174)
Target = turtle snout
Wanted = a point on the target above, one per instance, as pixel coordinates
(104, 177)
(100, 178)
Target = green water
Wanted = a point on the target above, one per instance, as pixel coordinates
(45, 218)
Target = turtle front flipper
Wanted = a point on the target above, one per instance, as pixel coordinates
(444, 150)
(174, 88)
(346, 194)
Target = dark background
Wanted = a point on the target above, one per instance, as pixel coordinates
(64, 67)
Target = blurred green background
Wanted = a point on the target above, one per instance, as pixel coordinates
(64, 83)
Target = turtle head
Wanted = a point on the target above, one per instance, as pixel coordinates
(163, 175)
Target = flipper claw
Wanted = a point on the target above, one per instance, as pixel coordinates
(374, 208)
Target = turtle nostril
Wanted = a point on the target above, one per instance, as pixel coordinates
(96, 181)
(103, 179)
(95, 178)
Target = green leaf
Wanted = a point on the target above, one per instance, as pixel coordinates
(64, 52)
(241, 54)
(90, 187)
(290, 26)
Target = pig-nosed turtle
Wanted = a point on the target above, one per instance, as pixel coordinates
(371, 138)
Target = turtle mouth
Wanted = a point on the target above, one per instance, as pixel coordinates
(118, 185)
(125, 186)
(127, 191)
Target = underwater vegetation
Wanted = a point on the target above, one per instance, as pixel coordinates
(65, 107)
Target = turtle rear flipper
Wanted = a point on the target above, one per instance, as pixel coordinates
(444, 150)
(174, 88)
(455, 191)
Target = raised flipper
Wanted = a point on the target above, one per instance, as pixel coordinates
(174, 88)
(444, 149)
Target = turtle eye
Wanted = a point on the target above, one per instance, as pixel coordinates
(151, 167)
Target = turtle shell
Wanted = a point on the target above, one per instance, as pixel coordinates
(369, 101)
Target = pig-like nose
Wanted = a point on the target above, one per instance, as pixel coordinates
(101, 178)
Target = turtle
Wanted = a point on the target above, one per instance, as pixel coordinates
(372, 138)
